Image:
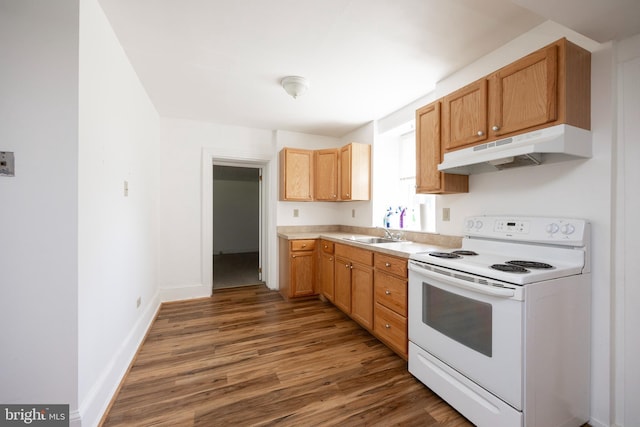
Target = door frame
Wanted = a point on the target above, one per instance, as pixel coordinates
(208, 160)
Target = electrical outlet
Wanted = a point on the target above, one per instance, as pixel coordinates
(138, 302)
(353, 213)
(7, 164)
(446, 214)
(126, 189)
(296, 213)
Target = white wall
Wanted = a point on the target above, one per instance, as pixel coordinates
(627, 231)
(187, 152)
(119, 141)
(38, 207)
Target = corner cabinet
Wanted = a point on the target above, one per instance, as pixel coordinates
(297, 269)
(429, 180)
(327, 270)
(548, 87)
(355, 172)
(296, 174)
(338, 174)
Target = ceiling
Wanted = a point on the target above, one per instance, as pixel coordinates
(222, 61)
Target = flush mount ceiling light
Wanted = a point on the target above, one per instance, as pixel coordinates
(295, 85)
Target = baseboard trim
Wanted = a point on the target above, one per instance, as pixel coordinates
(184, 292)
(99, 399)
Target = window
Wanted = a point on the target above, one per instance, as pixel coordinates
(396, 204)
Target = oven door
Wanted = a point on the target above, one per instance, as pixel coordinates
(471, 325)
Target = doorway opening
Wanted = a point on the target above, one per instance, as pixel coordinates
(236, 226)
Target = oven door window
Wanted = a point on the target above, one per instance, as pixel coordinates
(462, 319)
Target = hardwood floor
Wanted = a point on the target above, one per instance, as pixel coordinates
(245, 357)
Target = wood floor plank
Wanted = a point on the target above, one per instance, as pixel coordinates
(246, 357)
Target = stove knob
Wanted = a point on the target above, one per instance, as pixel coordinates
(479, 225)
(552, 228)
(568, 229)
(470, 223)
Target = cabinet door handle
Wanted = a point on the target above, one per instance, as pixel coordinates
(495, 128)
(387, 292)
(346, 266)
(330, 259)
(480, 133)
(388, 326)
(387, 264)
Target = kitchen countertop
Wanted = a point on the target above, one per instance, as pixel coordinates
(401, 248)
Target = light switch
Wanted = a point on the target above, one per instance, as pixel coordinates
(446, 214)
(7, 164)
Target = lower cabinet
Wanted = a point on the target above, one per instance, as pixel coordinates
(354, 283)
(390, 309)
(327, 270)
(297, 267)
(370, 287)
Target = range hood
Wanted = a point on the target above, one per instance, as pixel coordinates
(549, 145)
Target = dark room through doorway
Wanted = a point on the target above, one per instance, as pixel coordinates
(236, 226)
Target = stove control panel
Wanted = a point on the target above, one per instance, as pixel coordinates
(565, 231)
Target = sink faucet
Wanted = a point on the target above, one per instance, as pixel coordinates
(389, 235)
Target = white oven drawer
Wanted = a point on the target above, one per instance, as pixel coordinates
(479, 406)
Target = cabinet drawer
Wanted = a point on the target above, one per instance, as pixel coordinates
(391, 328)
(326, 246)
(303, 245)
(391, 264)
(391, 292)
(354, 254)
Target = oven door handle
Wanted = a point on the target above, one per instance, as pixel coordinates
(493, 290)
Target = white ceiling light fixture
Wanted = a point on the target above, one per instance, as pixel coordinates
(295, 85)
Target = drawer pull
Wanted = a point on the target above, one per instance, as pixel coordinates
(387, 264)
(387, 292)
(304, 245)
(388, 326)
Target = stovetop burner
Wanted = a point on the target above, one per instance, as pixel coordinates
(530, 264)
(444, 255)
(510, 268)
(463, 252)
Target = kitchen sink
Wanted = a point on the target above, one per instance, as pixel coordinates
(370, 240)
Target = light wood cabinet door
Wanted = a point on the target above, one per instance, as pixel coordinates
(303, 273)
(355, 172)
(343, 284)
(524, 94)
(362, 295)
(296, 174)
(327, 270)
(464, 116)
(429, 180)
(326, 179)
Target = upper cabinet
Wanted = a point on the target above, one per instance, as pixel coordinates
(465, 116)
(355, 172)
(296, 174)
(429, 154)
(548, 87)
(326, 178)
(327, 175)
